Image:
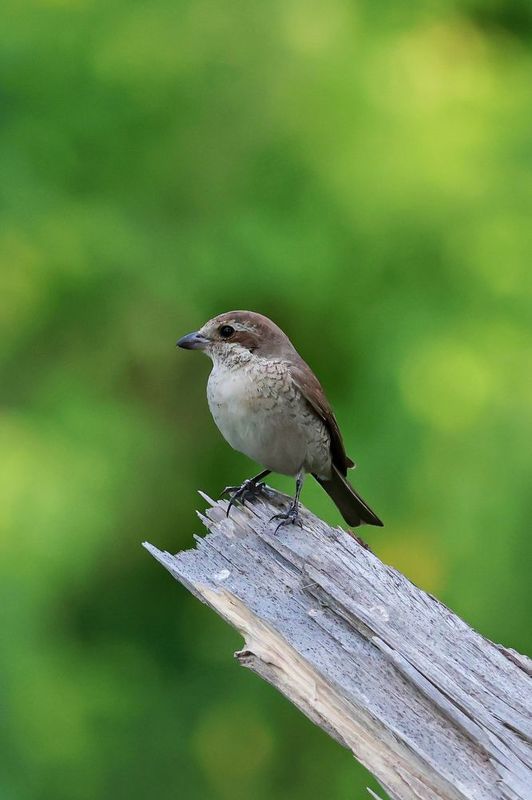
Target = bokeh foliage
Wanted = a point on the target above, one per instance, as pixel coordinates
(359, 171)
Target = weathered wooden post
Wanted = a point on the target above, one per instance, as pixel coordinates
(430, 707)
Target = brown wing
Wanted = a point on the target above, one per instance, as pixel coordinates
(310, 388)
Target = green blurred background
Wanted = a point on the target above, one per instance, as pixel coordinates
(359, 171)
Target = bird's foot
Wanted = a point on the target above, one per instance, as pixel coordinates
(239, 494)
(290, 517)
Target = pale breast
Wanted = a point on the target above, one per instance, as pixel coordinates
(260, 413)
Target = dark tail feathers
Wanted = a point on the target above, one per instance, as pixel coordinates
(351, 506)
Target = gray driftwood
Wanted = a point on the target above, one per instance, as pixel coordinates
(430, 707)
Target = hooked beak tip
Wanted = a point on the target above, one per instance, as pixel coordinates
(192, 341)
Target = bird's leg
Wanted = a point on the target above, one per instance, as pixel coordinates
(292, 515)
(251, 487)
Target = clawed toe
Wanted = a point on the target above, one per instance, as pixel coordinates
(290, 517)
(239, 494)
(229, 490)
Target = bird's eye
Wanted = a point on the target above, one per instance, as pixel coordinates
(226, 331)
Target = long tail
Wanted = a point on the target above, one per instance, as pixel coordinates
(351, 506)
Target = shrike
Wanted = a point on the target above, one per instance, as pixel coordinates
(269, 405)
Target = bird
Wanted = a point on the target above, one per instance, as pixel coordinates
(269, 405)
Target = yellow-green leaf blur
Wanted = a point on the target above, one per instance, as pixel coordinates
(360, 172)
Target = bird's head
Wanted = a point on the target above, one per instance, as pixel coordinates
(237, 336)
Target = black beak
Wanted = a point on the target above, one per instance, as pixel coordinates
(193, 341)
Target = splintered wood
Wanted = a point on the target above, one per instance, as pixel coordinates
(428, 705)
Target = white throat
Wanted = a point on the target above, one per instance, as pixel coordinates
(230, 355)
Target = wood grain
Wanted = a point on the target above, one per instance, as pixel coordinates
(429, 706)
